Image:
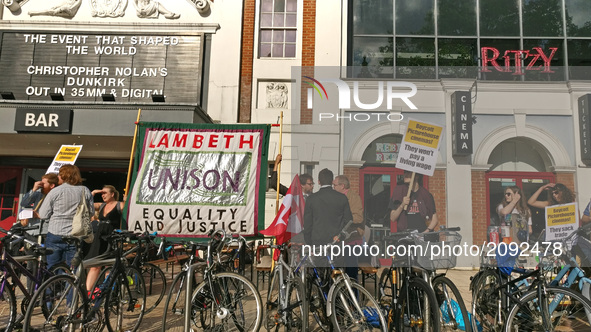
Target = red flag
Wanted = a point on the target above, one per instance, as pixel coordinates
(289, 220)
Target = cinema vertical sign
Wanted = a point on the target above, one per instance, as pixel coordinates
(585, 128)
(461, 117)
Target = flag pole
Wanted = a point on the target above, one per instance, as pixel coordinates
(278, 184)
(126, 191)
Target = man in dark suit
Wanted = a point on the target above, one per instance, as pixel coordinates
(327, 212)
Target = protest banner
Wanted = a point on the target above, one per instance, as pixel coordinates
(66, 155)
(419, 147)
(561, 221)
(191, 178)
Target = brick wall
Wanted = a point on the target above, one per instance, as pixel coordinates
(308, 51)
(246, 62)
(352, 173)
(479, 216)
(567, 179)
(437, 189)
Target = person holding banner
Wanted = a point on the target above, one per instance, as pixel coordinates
(558, 193)
(515, 214)
(59, 208)
(414, 212)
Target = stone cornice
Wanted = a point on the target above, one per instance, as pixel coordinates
(122, 27)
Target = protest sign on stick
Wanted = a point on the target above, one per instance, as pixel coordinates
(66, 155)
(419, 149)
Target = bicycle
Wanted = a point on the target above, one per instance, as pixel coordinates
(349, 305)
(453, 313)
(223, 301)
(11, 267)
(410, 301)
(286, 298)
(69, 306)
(154, 277)
(527, 303)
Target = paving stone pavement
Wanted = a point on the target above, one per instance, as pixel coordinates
(460, 277)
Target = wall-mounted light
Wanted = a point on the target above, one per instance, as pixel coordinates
(56, 96)
(158, 98)
(7, 95)
(108, 97)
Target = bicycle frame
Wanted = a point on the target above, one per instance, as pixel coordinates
(7, 266)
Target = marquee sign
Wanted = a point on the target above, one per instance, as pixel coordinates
(534, 59)
(84, 66)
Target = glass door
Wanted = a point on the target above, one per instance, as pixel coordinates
(10, 179)
(529, 182)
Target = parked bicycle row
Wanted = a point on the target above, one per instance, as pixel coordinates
(303, 292)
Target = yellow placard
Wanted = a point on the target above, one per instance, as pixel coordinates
(561, 215)
(68, 153)
(423, 134)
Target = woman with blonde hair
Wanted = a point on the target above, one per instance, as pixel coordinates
(109, 219)
(59, 208)
(514, 212)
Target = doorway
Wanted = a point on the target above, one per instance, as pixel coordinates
(10, 180)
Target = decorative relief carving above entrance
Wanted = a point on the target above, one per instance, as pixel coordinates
(108, 8)
(152, 8)
(66, 9)
(201, 5)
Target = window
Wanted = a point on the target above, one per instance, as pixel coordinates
(308, 167)
(278, 29)
(432, 39)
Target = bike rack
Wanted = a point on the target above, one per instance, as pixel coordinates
(188, 294)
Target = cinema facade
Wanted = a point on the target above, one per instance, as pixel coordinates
(77, 72)
(507, 79)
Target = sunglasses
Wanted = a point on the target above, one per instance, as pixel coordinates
(508, 194)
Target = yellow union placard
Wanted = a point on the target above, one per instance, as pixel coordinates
(68, 153)
(561, 215)
(423, 134)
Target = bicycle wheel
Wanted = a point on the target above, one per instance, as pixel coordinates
(290, 319)
(60, 268)
(317, 305)
(58, 305)
(272, 303)
(385, 286)
(7, 306)
(453, 313)
(568, 311)
(486, 302)
(234, 304)
(155, 282)
(125, 301)
(174, 307)
(345, 314)
(417, 308)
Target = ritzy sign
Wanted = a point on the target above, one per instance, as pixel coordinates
(534, 59)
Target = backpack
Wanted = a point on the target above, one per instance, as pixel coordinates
(81, 224)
